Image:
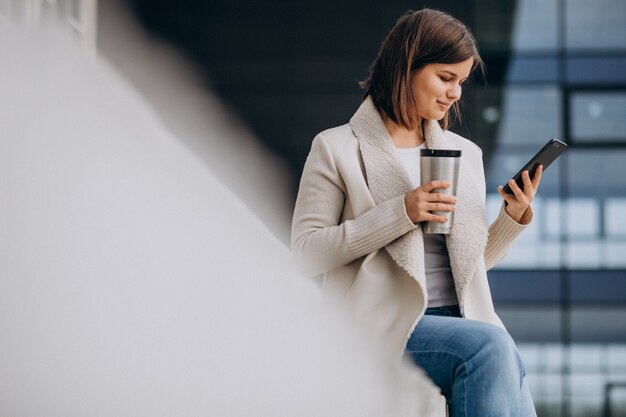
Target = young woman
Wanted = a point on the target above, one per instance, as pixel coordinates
(360, 207)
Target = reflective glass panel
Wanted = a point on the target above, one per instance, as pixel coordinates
(521, 25)
(529, 115)
(598, 116)
(597, 24)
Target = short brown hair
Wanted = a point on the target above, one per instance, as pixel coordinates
(418, 38)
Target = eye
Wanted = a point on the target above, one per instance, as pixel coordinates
(445, 79)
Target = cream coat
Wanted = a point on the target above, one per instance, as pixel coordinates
(350, 224)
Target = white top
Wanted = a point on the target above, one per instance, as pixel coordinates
(439, 281)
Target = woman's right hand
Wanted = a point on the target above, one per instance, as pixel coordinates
(422, 201)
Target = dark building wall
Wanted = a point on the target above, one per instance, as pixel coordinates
(289, 68)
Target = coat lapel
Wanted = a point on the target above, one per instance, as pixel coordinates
(387, 179)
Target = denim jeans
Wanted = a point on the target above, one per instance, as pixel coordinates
(476, 365)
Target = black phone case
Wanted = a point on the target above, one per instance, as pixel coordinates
(545, 157)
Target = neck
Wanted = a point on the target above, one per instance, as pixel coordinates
(402, 137)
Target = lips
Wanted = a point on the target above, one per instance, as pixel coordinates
(444, 104)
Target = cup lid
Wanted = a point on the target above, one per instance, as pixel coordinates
(440, 152)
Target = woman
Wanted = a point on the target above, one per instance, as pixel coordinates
(359, 209)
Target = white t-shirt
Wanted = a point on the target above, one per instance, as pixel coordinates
(439, 281)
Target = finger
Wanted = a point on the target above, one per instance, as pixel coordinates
(430, 217)
(441, 198)
(429, 186)
(507, 197)
(537, 177)
(517, 191)
(441, 207)
(529, 190)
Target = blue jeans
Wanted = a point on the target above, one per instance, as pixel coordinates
(476, 365)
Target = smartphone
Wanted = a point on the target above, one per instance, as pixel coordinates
(544, 157)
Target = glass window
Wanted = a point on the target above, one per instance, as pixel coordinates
(598, 116)
(580, 212)
(595, 24)
(583, 254)
(614, 254)
(583, 218)
(614, 216)
(598, 208)
(532, 69)
(552, 218)
(535, 25)
(596, 70)
(596, 173)
(530, 115)
(520, 25)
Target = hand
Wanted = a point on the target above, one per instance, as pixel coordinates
(516, 205)
(421, 201)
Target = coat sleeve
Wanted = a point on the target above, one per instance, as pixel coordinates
(319, 242)
(503, 232)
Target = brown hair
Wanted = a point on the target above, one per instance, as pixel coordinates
(418, 38)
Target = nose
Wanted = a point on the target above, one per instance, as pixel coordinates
(455, 92)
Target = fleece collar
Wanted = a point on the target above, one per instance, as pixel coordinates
(386, 179)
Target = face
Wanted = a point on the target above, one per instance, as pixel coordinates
(437, 86)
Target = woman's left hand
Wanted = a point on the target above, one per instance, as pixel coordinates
(518, 204)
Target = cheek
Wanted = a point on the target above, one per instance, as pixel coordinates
(437, 88)
(430, 90)
(427, 91)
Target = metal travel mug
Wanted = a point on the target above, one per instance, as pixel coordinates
(440, 164)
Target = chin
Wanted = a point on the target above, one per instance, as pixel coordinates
(435, 114)
(439, 115)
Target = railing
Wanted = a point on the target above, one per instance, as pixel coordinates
(607, 410)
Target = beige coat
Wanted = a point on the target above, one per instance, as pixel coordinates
(350, 224)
